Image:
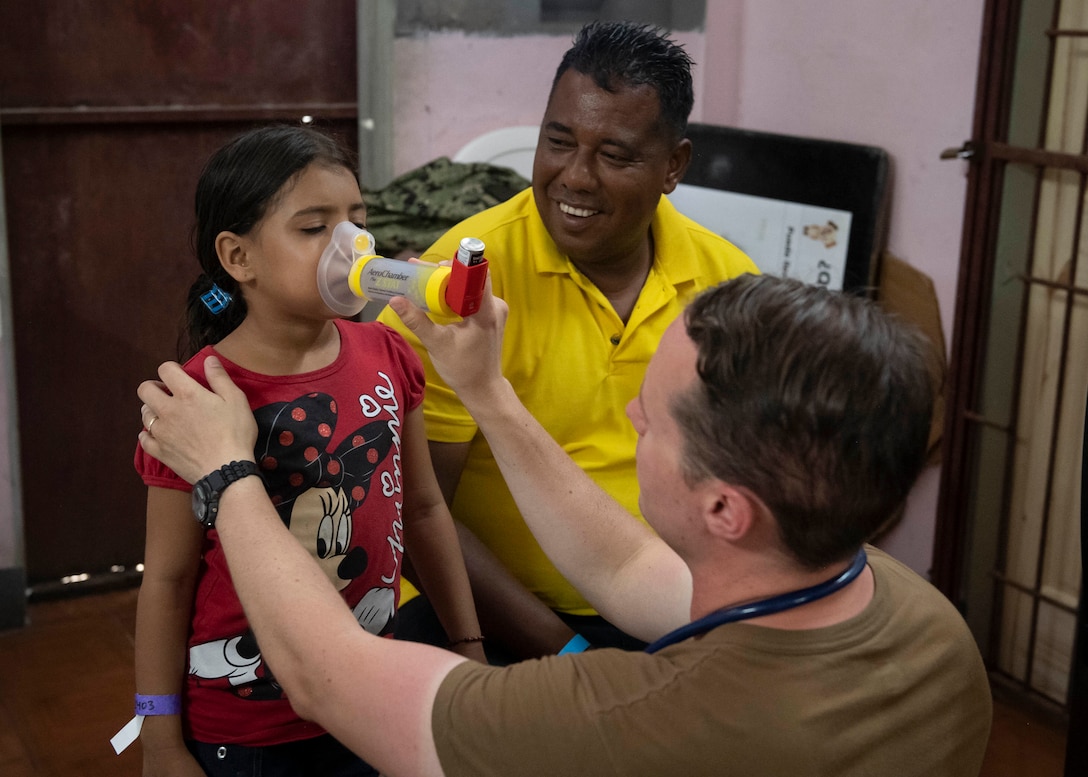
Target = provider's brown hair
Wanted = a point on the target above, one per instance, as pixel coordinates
(818, 402)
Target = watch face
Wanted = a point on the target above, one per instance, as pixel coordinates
(200, 504)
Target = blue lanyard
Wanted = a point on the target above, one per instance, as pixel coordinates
(764, 606)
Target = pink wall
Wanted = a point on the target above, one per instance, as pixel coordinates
(891, 74)
(885, 73)
(899, 75)
(451, 87)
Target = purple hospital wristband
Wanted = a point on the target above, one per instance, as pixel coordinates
(146, 704)
(158, 705)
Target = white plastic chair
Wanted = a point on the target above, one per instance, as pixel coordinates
(512, 147)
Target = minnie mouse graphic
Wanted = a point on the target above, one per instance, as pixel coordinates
(318, 492)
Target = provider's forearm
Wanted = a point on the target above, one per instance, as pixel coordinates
(632, 577)
(332, 670)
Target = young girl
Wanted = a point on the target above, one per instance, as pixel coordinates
(341, 449)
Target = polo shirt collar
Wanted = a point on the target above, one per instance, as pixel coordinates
(671, 246)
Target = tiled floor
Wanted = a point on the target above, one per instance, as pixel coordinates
(66, 687)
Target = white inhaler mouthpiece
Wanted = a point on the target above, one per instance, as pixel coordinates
(350, 273)
(348, 243)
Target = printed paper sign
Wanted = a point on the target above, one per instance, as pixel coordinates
(786, 239)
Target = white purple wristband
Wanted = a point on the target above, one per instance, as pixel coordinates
(158, 705)
(146, 704)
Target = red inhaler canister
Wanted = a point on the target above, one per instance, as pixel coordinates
(469, 273)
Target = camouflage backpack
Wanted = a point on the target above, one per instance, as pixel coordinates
(420, 206)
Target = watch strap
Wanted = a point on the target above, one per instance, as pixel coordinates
(229, 473)
(216, 482)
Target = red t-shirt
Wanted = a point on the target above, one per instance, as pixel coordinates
(329, 449)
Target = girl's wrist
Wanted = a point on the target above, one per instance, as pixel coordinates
(464, 640)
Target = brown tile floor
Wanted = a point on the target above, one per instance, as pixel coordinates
(66, 687)
(1025, 741)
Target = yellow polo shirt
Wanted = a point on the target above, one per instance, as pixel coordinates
(574, 364)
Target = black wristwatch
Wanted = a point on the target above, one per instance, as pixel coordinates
(207, 490)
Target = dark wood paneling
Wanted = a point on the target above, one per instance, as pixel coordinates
(108, 112)
(136, 52)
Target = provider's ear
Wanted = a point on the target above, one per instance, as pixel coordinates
(731, 512)
(232, 252)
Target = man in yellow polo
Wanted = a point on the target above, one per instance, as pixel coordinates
(594, 263)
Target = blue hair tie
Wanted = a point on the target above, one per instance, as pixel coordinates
(216, 300)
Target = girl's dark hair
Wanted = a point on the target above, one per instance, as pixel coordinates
(238, 186)
(626, 54)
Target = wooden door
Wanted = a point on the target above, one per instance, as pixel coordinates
(108, 112)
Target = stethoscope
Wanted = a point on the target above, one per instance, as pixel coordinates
(763, 607)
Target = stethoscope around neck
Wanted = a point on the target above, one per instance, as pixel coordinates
(768, 606)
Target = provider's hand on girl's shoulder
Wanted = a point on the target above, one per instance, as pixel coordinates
(191, 429)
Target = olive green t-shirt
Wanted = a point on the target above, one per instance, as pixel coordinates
(899, 690)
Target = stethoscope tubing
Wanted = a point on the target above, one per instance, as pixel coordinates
(769, 606)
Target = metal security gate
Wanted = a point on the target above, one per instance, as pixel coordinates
(1008, 541)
